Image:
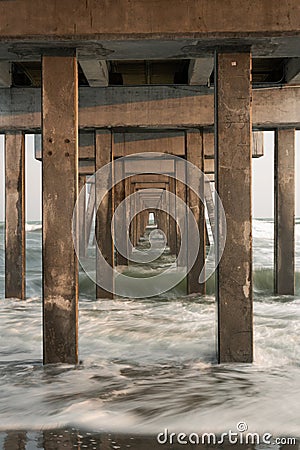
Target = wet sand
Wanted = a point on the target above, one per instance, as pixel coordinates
(75, 439)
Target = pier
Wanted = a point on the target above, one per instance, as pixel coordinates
(145, 89)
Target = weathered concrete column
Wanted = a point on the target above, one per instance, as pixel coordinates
(210, 205)
(180, 191)
(142, 223)
(139, 219)
(195, 155)
(207, 243)
(60, 187)
(284, 190)
(90, 213)
(133, 209)
(135, 220)
(82, 217)
(104, 213)
(162, 219)
(119, 197)
(172, 222)
(167, 219)
(233, 127)
(128, 212)
(145, 215)
(138, 228)
(15, 215)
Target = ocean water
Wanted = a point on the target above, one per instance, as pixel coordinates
(150, 364)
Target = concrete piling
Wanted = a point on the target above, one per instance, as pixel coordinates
(82, 215)
(104, 212)
(15, 215)
(60, 188)
(233, 127)
(90, 212)
(181, 226)
(172, 222)
(118, 198)
(195, 156)
(284, 215)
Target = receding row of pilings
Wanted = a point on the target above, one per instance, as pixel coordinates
(233, 127)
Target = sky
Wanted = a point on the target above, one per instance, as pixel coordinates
(263, 185)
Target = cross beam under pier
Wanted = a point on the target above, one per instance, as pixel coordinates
(149, 106)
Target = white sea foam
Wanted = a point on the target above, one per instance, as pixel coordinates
(150, 364)
(33, 227)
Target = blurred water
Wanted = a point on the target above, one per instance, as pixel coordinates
(148, 364)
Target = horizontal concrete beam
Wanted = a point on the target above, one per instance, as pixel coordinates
(142, 166)
(154, 185)
(145, 106)
(257, 145)
(125, 19)
(149, 178)
(86, 167)
(149, 107)
(172, 142)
